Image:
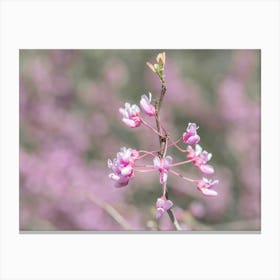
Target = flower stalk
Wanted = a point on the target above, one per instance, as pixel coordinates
(163, 145)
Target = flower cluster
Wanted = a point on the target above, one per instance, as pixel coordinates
(199, 158)
(190, 136)
(131, 113)
(124, 166)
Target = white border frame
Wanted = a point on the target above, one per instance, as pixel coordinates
(116, 24)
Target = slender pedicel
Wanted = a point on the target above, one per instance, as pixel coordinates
(153, 129)
(180, 163)
(183, 177)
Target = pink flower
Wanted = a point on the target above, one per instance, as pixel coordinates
(146, 106)
(200, 158)
(122, 166)
(205, 186)
(131, 116)
(162, 206)
(162, 165)
(190, 136)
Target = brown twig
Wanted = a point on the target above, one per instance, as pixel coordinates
(162, 140)
(173, 219)
(172, 215)
(163, 143)
(163, 91)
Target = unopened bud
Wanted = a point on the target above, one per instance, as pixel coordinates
(161, 58)
(151, 66)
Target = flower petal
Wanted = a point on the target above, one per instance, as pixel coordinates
(144, 103)
(156, 161)
(208, 192)
(185, 137)
(198, 150)
(159, 212)
(167, 161)
(126, 170)
(205, 156)
(121, 184)
(146, 106)
(125, 155)
(193, 140)
(167, 205)
(207, 169)
(192, 128)
(114, 177)
(160, 203)
(129, 123)
(135, 108)
(123, 112)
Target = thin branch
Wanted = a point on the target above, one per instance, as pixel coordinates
(161, 126)
(181, 163)
(146, 153)
(182, 176)
(144, 165)
(174, 143)
(173, 219)
(163, 91)
(154, 130)
(145, 170)
(162, 140)
(163, 146)
(110, 210)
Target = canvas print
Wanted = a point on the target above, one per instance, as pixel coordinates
(140, 140)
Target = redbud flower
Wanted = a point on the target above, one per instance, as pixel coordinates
(205, 186)
(162, 206)
(146, 106)
(200, 158)
(122, 167)
(131, 115)
(127, 156)
(162, 165)
(190, 136)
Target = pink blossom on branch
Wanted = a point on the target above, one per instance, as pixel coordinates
(146, 106)
(191, 137)
(205, 186)
(131, 115)
(163, 205)
(123, 166)
(200, 158)
(162, 165)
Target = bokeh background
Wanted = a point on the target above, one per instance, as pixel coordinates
(70, 126)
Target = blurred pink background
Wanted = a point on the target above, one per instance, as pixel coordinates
(70, 126)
